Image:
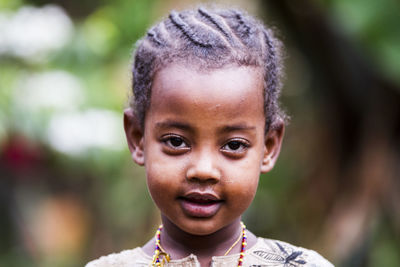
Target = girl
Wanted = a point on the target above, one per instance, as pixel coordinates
(205, 122)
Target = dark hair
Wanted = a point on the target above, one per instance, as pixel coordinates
(208, 39)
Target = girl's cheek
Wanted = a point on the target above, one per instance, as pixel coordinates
(161, 174)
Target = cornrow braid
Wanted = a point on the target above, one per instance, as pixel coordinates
(218, 23)
(272, 81)
(154, 36)
(187, 30)
(246, 29)
(208, 39)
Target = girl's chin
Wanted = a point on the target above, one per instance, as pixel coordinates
(200, 227)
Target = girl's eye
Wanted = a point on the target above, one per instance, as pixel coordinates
(235, 147)
(174, 144)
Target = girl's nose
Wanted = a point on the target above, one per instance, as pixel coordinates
(203, 168)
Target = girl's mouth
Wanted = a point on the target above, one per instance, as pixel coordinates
(200, 205)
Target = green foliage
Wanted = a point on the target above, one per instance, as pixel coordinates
(374, 25)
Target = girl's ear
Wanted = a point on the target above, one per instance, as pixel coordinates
(272, 146)
(134, 136)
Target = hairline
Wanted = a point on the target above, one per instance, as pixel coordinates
(204, 68)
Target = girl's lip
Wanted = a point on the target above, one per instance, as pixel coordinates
(200, 205)
(201, 197)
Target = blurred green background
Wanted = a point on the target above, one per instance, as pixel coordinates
(70, 193)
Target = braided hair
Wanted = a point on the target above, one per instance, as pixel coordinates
(209, 39)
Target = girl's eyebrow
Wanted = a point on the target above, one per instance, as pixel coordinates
(186, 127)
(236, 127)
(173, 124)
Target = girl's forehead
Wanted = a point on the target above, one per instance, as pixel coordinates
(236, 77)
(229, 90)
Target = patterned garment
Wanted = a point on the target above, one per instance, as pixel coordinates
(265, 252)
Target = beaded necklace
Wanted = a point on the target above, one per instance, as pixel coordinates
(160, 252)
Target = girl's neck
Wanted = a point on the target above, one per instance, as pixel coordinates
(179, 244)
(176, 241)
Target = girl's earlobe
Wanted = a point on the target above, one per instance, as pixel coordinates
(134, 136)
(266, 165)
(272, 147)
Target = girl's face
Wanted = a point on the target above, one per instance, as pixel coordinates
(204, 145)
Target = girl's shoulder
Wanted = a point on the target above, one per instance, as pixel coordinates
(272, 252)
